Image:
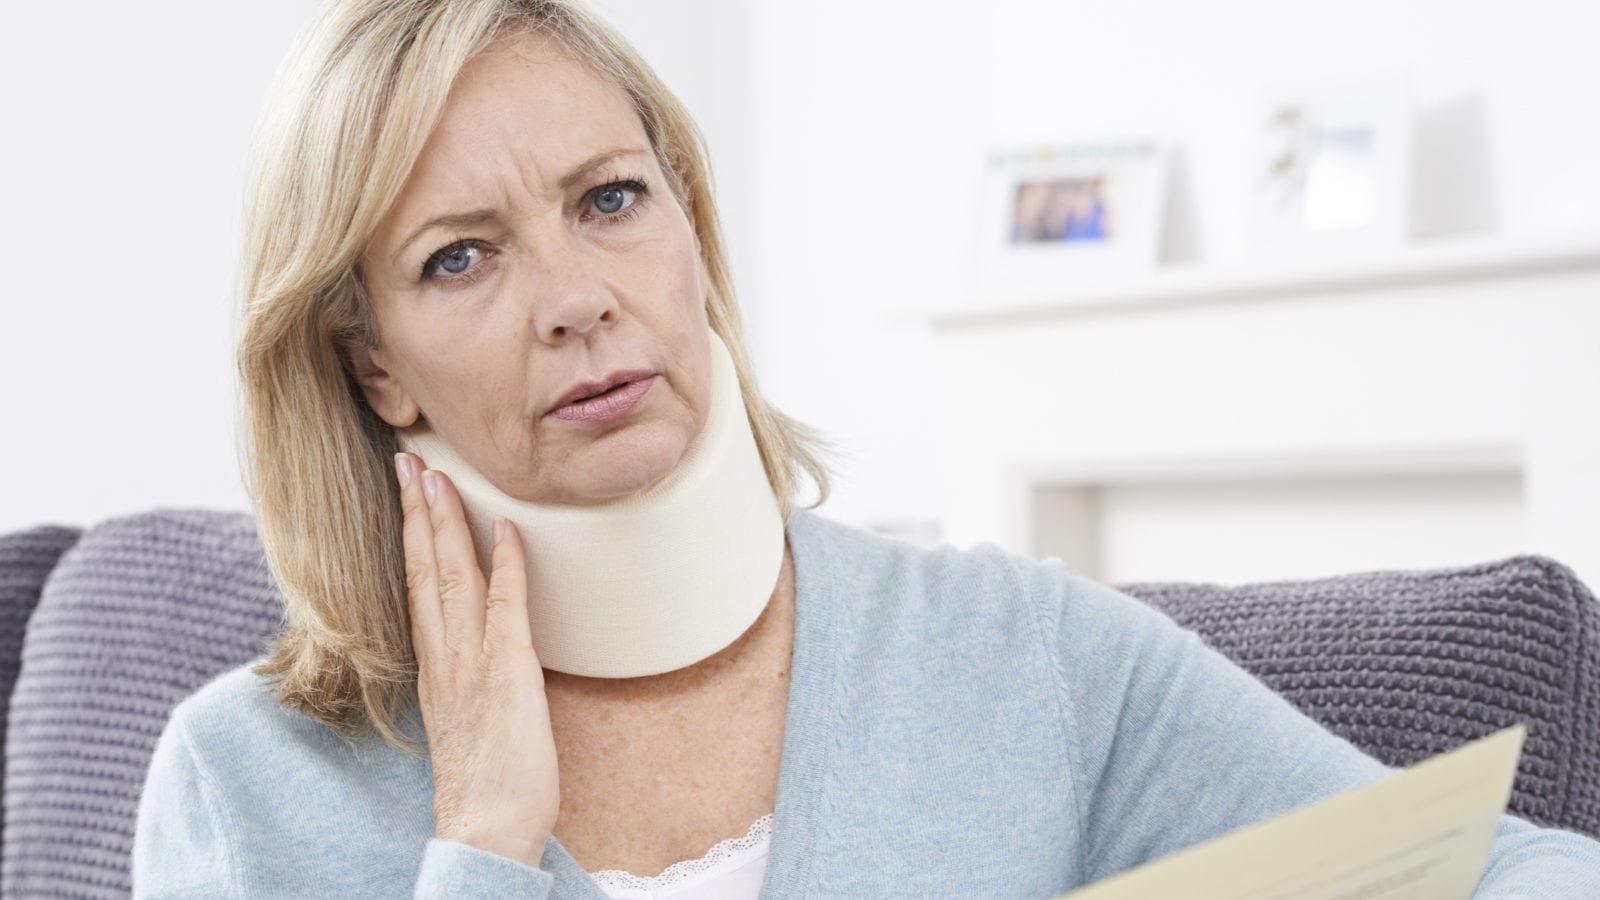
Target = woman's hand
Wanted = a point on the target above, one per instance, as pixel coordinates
(481, 689)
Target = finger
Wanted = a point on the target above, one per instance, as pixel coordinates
(461, 583)
(422, 588)
(506, 625)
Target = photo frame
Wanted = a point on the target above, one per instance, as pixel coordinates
(1333, 166)
(1050, 215)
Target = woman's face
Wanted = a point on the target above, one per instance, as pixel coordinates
(535, 246)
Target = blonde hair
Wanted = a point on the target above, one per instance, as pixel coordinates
(347, 116)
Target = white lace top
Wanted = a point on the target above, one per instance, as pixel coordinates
(731, 870)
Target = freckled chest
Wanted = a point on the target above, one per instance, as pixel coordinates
(661, 771)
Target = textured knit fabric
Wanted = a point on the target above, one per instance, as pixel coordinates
(139, 613)
(1407, 665)
(960, 723)
(26, 561)
(730, 870)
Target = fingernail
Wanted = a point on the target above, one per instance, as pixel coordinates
(430, 485)
(402, 470)
(499, 530)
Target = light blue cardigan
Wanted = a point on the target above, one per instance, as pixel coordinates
(962, 723)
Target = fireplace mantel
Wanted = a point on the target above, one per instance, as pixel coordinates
(1432, 407)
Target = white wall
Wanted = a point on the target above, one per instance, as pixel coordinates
(874, 116)
(1392, 424)
(845, 138)
(125, 138)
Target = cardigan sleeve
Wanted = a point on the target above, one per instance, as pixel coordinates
(456, 870)
(185, 843)
(1174, 744)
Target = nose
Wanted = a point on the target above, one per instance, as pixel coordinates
(571, 295)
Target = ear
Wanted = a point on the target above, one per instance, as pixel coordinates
(387, 397)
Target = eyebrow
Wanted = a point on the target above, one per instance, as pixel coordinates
(479, 216)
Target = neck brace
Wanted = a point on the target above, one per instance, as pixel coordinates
(652, 581)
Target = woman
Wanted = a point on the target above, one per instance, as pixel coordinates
(580, 642)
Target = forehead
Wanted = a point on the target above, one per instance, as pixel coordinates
(520, 115)
(541, 81)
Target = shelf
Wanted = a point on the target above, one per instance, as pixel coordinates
(1275, 466)
(1427, 262)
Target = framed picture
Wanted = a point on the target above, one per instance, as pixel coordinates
(1049, 215)
(1333, 166)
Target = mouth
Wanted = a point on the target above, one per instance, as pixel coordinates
(604, 392)
(613, 383)
(611, 405)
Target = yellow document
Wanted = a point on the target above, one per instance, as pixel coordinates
(1421, 833)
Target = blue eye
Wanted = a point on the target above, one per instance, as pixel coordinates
(456, 261)
(453, 260)
(618, 199)
(610, 200)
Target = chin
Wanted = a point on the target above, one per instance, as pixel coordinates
(627, 465)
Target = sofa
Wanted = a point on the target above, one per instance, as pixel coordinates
(104, 629)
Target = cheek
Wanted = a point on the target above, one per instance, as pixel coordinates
(693, 275)
(668, 268)
(469, 373)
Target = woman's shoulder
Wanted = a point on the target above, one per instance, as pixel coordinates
(840, 549)
(895, 600)
(243, 788)
(241, 733)
(237, 707)
(885, 575)
(890, 605)
(249, 752)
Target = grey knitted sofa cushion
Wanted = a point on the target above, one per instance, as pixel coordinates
(1407, 664)
(140, 613)
(26, 561)
(145, 609)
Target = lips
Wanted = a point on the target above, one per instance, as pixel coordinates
(585, 389)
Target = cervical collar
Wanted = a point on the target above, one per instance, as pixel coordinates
(650, 582)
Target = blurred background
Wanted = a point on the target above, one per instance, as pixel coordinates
(1320, 290)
